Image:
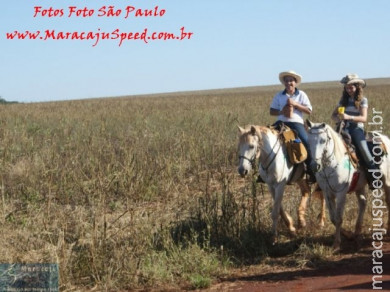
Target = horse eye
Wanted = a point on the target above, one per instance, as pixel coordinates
(251, 146)
(322, 141)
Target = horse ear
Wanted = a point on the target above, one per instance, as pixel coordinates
(253, 130)
(241, 130)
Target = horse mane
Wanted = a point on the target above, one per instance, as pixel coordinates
(339, 147)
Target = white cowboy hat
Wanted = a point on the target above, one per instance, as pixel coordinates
(352, 78)
(297, 77)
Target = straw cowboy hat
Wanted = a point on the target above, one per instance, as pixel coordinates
(352, 78)
(298, 78)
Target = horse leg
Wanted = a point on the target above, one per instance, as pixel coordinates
(302, 211)
(274, 217)
(305, 192)
(362, 201)
(330, 202)
(317, 193)
(287, 220)
(277, 194)
(340, 204)
(323, 207)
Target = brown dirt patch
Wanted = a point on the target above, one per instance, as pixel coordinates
(342, 272)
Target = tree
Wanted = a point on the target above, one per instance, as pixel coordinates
(3, 101)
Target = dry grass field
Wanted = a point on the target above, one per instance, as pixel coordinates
(142, 191)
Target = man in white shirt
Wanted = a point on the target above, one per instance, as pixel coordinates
(289, 106)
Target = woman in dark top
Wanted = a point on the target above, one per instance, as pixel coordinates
(352, 117)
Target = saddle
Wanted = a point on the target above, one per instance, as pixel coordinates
(296, 151)
(350, 148)
(372, 139)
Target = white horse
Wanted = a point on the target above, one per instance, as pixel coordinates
(334, 172)
(257, 142)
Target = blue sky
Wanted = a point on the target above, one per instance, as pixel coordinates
(234, 44)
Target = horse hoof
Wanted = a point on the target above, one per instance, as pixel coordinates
(293, 232)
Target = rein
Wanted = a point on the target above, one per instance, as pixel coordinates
(273, 158)
(252, 160)
(279, 143)
(328, 159)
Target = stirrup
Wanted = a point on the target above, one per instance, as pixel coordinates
(310, 178)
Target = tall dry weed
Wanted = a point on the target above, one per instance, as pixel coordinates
(138, 192)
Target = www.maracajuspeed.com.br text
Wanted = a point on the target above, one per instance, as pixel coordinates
(96, 36)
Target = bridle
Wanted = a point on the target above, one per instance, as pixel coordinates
(252, 160)
(326, 159)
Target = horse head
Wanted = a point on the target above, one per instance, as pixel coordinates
(248, 149)
(320, 143)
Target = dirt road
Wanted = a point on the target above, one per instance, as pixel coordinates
(353, 272)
